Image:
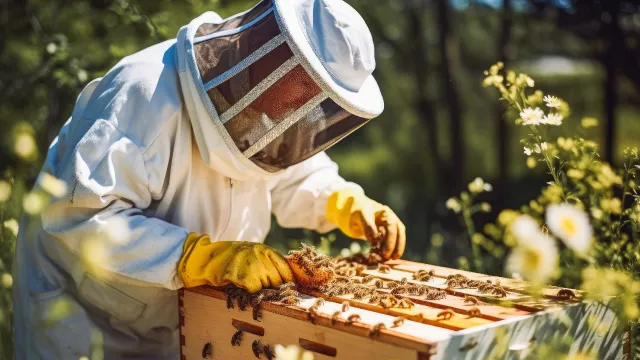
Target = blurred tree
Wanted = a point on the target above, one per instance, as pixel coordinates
(600, 23)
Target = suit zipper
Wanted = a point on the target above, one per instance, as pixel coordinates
(230, 207)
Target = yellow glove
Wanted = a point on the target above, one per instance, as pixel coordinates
(247, 265)
(362, 218)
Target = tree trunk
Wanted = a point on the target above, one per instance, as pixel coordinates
(614, 36)
(420, 66)
(502, 128)
(449, 63)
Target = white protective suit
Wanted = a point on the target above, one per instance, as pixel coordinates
(145, 165)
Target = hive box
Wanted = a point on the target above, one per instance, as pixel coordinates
(509, 327)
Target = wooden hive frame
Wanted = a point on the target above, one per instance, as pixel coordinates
(469, 330)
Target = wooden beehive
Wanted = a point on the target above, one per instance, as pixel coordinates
(507, 327)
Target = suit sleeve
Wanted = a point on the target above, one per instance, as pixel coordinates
(102, 219)
(299, 195)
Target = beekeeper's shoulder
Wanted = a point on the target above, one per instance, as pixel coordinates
(141, 96)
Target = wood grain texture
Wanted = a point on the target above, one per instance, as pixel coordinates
(208, 320)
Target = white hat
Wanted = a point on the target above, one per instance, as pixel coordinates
(335, 46)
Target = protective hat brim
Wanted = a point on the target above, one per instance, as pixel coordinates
(367, 102)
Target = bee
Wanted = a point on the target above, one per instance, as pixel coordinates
(286, 286)
(353, 318)
(500, 291)
(474, 312)
(471, 300)
(445, 314)
(313, 312)
(345, 306)
(403, 281)
(268, 352)
(378, 284)
(229, 302)
(290, 300)
(289, 292)
(367, 279)
(243, 301)
(335, 316)
(393, 285)
(236, 339)
(257, 350)
(319, 302)
(207, 350)
(388, 301)
(385, 269)
(566, 294)
(399, 290)
(375, 298)
(418, 317)
(406, 304)
(375, 329)
(397, 322)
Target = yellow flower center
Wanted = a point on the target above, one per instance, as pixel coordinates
(569, 226)
(532, 260)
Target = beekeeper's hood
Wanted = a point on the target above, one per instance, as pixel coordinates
(270, 87)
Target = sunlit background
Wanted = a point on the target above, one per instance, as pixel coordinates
(440, 130)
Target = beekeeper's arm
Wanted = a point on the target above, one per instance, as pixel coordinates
(313, 195)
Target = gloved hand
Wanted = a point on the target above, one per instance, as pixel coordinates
(247, 265)
(362, 218)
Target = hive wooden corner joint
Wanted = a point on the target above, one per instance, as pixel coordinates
(471, 316)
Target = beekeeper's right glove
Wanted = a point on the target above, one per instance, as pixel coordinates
(248, 265)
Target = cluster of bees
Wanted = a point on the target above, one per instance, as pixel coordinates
(285, 294)
(484, 287)
(373, 331)
(257, 347)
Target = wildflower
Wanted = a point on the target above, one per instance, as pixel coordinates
(571, 225)
(507, 217)
(552, 193)
(53, 185)
(535, 256)
(524, 80)
(492, 80)
(597, 213)
(552, 101)
(612, 206)
(566, 144)
(575, 174)
(486, 207)
(291, 353)
(589, 122)
(6, 280)
(541, 147)
(25, 146)
(345, 253)
(12, 225)
(531, 162)
(477, 185)
(355, 247)
(535, 99)
(552, 119)
(607, 177)
(5, 191)
(531, 116)
(454, 205)
(33, 203)
(528, 151)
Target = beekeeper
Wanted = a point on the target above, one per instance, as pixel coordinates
(174, 162)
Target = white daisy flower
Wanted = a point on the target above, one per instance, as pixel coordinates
(477, 185)
(535, 256)
(552, 101)
(552, 119)
(531, 116)
(291, 352)
(528, 151)
(571, 225)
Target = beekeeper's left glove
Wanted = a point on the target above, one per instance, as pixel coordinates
(362, 218)
(248, 265)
